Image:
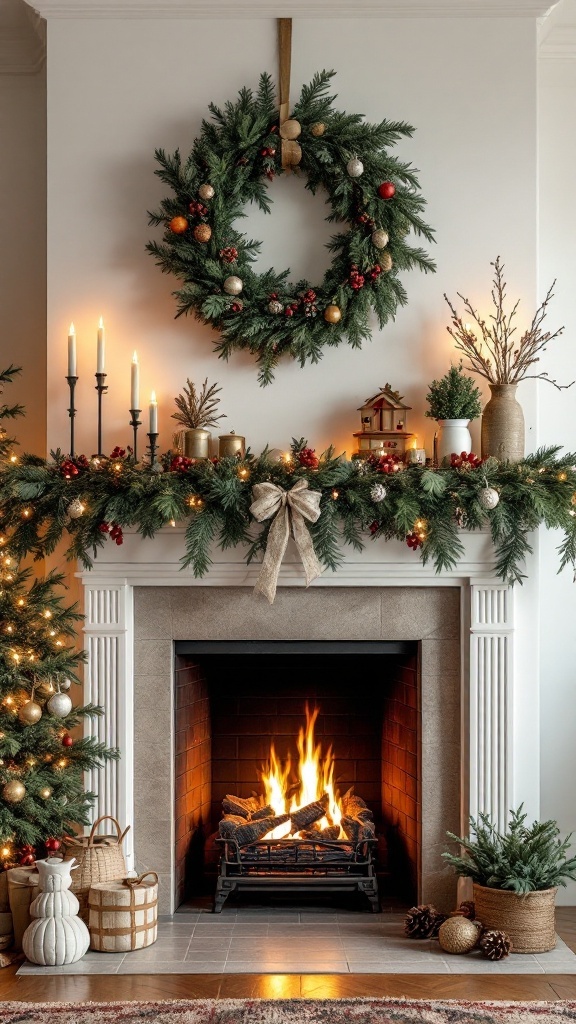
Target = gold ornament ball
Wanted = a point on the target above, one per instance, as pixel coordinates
(458, 935)
(202, 232)
(45, 793)
(30, 713)
(332, 314)
(385, 261)
(380, 238)
(178, 225)
(233, 285)
(13, 792)
(318, 129)
(291, 129)
(206, 192)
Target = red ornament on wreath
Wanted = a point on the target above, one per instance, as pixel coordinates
(307, 457)
(67, 740)
(68, 469)
(413, 541)
(386, 190)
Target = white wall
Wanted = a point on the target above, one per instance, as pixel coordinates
(557, 419)
(119, 88)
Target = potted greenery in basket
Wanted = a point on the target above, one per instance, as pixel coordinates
(454, 401)
(516, 875)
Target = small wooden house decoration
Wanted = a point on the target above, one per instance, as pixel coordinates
(383, 419)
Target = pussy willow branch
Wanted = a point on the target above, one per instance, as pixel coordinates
(504, 364)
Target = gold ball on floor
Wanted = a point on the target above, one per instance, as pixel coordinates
(458, 935)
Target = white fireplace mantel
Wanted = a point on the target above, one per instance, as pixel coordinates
(500, 727)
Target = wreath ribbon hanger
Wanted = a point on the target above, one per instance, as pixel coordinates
(289, 128)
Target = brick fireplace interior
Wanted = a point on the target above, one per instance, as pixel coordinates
(233, 699)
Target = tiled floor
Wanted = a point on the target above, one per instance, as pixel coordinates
(261, 941)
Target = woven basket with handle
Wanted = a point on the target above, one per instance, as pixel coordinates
(100, 859)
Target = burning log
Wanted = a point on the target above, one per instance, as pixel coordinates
(262, 812)
(252, 831)
(326, 834)
(229, 825)
(309, 814)
(357, 830)
(237, 805)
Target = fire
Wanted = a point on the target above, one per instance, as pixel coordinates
(315, 778)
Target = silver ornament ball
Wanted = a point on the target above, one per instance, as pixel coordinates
(380, 238)
(488, 498)
(355, 167)
(65, 684)
(206, 192)
(76, 508)
(233, 285)
(274, 306)
(59, 705)
(378, 492)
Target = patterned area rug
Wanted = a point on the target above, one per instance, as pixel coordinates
(290, 1011)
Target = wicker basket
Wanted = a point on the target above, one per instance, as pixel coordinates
(124, 914)
(528, 919)
(100, 859)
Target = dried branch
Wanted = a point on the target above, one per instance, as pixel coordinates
(198, 410)
(494, 355)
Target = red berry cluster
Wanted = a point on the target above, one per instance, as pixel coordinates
(267, 151)
(117, 453)
(114, 530)
(413, 541)
(356, 279)
(68, 469)
(385, 463)
(180, 464)
(374, 527)
(27, 855)
(309, 300)
(375, 272)
(307, 457)
(363, 218)
(229, 254)
(465, 460)
(292, 308)
(197, 209)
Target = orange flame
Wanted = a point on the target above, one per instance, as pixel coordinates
(315, 777)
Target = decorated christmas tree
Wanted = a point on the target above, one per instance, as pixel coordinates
(41, 763)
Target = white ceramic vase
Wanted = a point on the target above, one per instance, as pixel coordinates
(57, 935)
(453, 437)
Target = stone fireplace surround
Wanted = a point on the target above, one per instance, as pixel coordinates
(137, 607)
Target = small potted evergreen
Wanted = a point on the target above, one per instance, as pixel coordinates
(515, 877)
(454, 401)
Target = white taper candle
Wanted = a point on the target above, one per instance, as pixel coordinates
(100, 348)
(153, 414)
(135, 383)
(71, 351)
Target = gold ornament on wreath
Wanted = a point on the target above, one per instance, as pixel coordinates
(311, 316)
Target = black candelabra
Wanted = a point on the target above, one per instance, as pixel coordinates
(72, 412)
(101, 388)
(135, 423)
(152, 446)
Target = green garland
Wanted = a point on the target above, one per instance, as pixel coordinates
(230, 164)
(425, 507)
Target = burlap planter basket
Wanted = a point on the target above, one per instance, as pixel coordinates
(529, 919)
(124, 914)
(100, 859)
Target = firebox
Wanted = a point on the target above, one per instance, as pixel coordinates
(253, 720)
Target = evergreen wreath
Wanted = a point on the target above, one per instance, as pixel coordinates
(372, 195)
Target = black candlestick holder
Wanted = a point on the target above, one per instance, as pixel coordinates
(101, 388)
(152, 446)
(72, 412)
(135, 423)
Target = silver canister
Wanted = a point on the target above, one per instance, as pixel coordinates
(230, 445)
(197, 443)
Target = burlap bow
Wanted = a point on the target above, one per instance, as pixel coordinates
(289, 509)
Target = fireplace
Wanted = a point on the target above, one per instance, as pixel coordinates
(356, 708)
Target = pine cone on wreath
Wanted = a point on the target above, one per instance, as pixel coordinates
(421, 922)
(494, 945)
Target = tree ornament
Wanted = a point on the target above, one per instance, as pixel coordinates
(386, 190)
(290, 129)
(318, 129)
(355, 167)
(45, 792)
(206, 192)
(30, 713)
(202, 232)
(65, 684)
(178, 225)
(332, 314)
(233, 285)
(488, 498)
(458, 935)
(274, 306)
(423, 922)
(380, 238)
(378, 492)
(76, 508)
(237, 306)
(14, 791)
(52, 844)
(67, 740)
(385, 261)
(59, 705)
(494, 945)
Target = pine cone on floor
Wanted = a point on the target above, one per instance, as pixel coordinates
(440, 918)
(421, 922)
(494, 945)
(468, 909)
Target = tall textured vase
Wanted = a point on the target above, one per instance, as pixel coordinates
(503, 425)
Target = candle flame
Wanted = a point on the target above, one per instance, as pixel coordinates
(101, 323)
(153, 398)
(71, 329)
(135, 358)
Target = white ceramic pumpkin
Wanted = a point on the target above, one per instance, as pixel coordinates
(56, 936)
